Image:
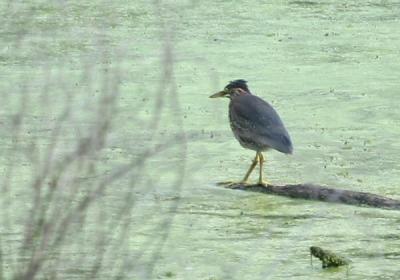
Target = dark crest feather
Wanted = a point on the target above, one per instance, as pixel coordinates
(242, 84)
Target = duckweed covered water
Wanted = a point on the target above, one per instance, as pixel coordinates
(330, 68)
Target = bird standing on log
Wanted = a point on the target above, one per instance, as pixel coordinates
(255, 124)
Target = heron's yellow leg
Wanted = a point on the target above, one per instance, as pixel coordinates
(230, 184)
(251, 168)
(260, 179)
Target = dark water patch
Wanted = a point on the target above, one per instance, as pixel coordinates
(381, 215)
(306, 4)
(393, 17)
(234, 238)
(379, 255)
(390, 236)
(256, 216)
(383, 4)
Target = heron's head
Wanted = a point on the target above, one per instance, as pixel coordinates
(234, 88)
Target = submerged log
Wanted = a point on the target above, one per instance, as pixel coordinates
(328, 258)
(321, 193)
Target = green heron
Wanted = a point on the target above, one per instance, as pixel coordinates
(255, 124)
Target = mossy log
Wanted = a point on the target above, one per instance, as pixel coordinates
(328, 258)
(321, 193)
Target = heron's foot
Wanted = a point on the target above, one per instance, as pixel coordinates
(263, 183)
(233, 184)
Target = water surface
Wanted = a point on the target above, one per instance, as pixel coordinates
(329, 68)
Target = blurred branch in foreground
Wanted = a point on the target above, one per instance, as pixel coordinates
(69, 203)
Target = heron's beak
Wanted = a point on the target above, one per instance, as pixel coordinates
(219, 94)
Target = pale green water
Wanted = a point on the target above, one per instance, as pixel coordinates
(330, 69)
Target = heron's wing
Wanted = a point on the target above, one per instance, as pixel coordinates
(258, 120)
